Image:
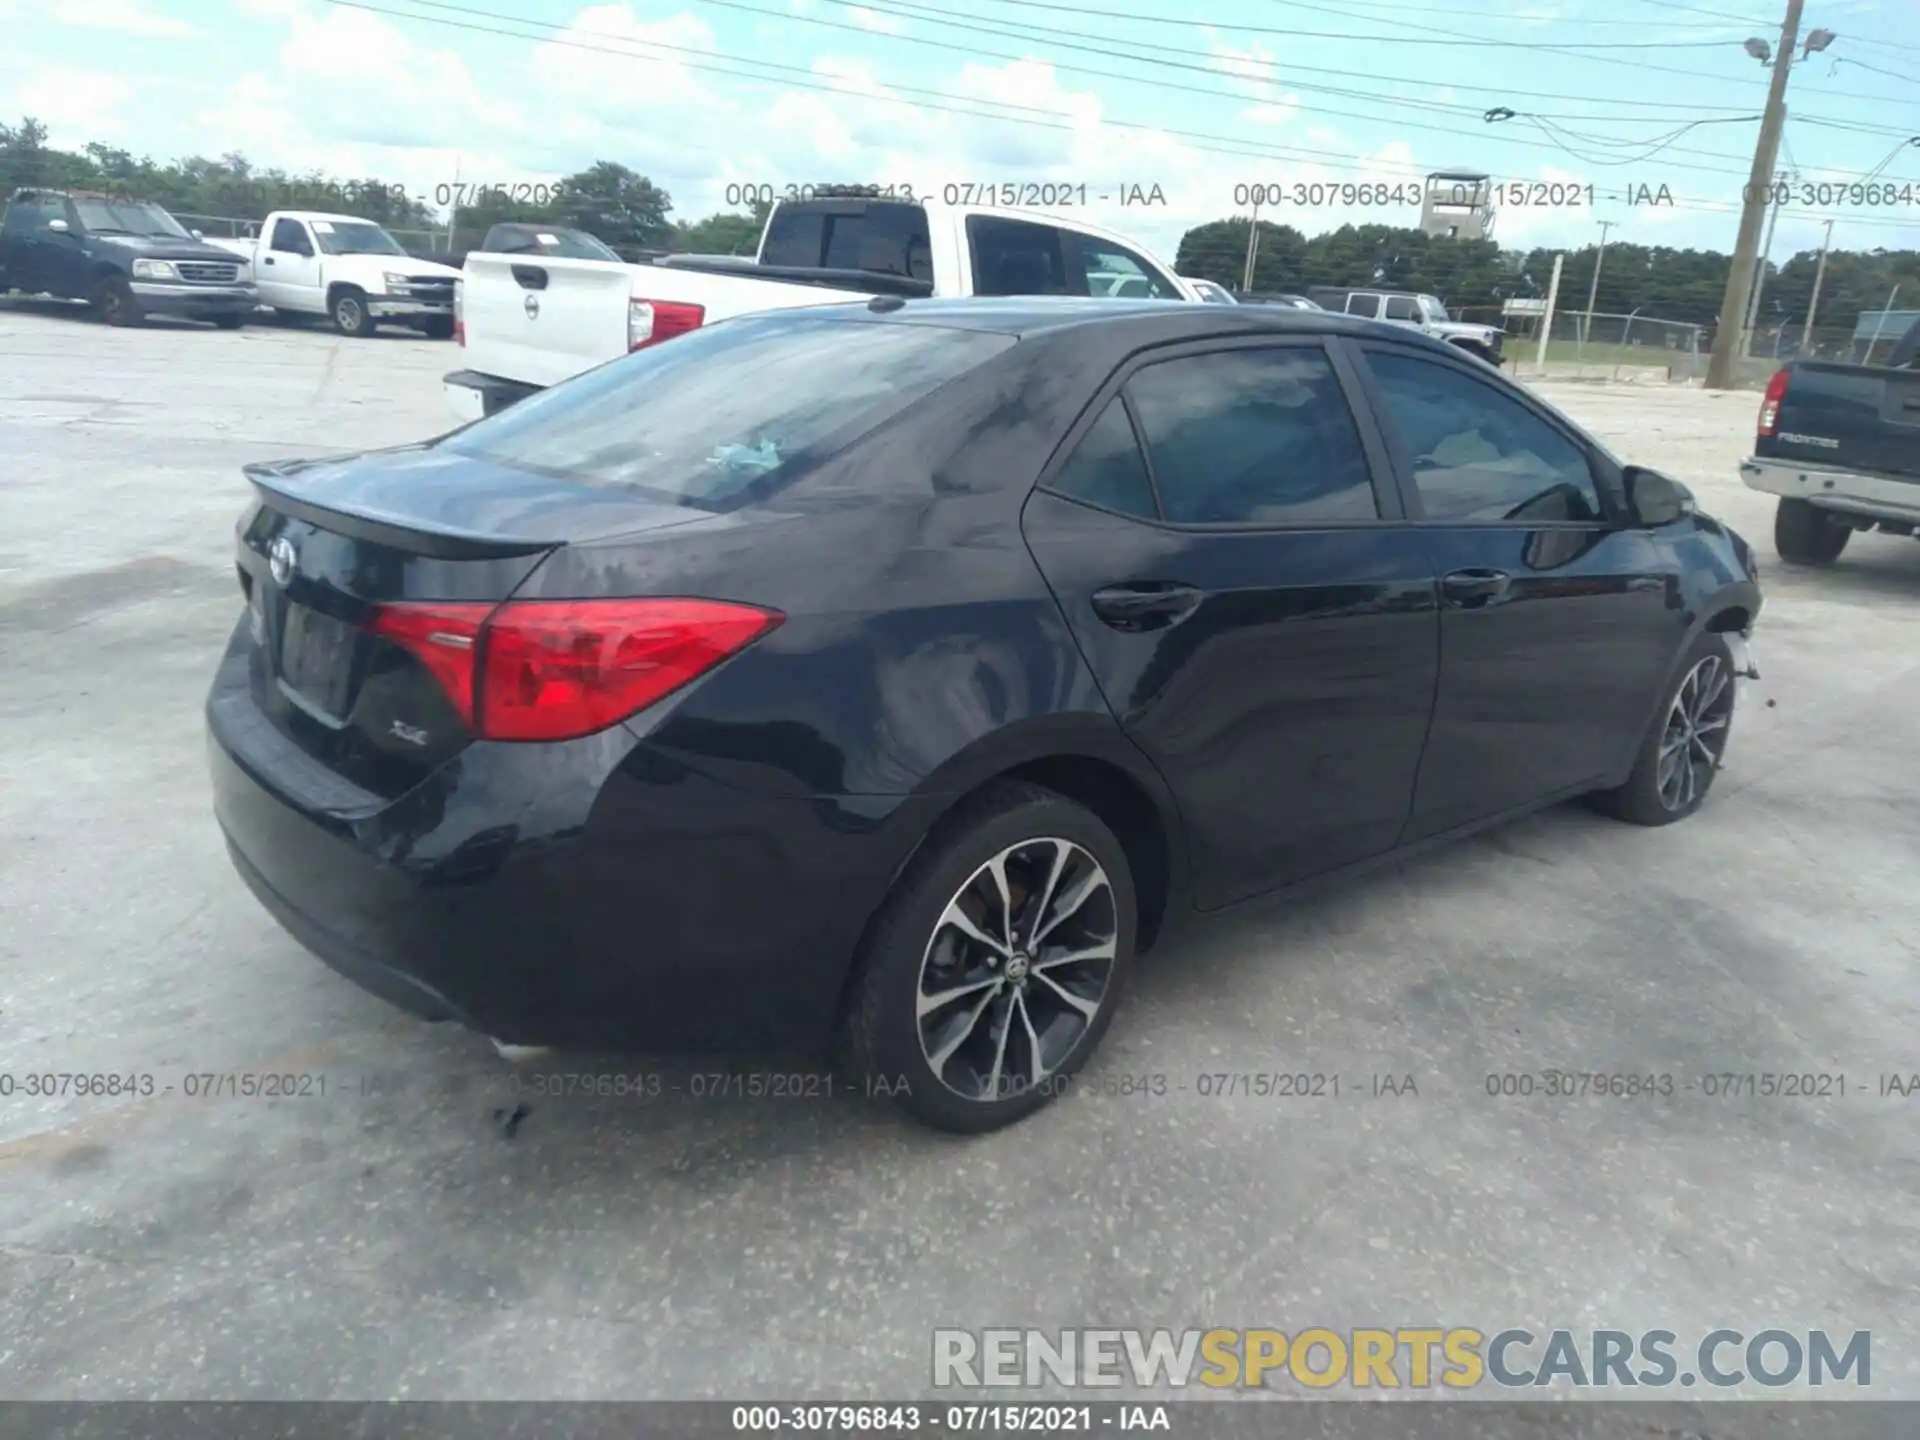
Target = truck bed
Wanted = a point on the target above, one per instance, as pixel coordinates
(1853, 417)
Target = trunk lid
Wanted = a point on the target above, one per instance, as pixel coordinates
(331, 541)
(1858, 417)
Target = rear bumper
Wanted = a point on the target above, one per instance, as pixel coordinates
(159, 297)
(1853, 492)
(590, 894)
(473, 396)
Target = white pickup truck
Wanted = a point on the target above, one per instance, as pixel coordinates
(347, 269)
(528, 321)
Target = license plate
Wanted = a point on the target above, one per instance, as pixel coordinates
(316, 657)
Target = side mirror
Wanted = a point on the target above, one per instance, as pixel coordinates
(1654, 499)
(58, 227)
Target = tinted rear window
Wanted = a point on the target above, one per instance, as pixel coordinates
(726, 415)
(888, 239)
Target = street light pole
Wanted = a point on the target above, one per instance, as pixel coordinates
(1813, 300)
(1729, 340)
(1593, 290)
(1766, 249)
(1253, 249)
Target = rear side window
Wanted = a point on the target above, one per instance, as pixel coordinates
(725, 415)
(883, 238)
(1107, 469)
(1260, 436)
(1017, 257)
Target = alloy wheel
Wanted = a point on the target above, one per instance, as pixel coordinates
(1016, 970)
(1695, 735)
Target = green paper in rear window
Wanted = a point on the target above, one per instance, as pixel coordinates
(724, 415)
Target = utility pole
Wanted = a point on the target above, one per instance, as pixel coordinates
(1546, 320)
(1253, 249)
(1729, 339)
(1780, 179)
(1813, 300)
(1593, 290)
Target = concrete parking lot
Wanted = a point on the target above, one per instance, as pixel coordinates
(397, 1236)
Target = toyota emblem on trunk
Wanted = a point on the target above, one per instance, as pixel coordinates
(281, 558)
(533, 307)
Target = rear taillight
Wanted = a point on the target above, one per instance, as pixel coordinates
(1770, 404)
(651, 321)
(444, 638)
(459, 312)
(559, 669)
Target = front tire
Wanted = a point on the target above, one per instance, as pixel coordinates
(115, 302)
(1804, 534)
(1684, 748)
(348, 311)
(995, 964)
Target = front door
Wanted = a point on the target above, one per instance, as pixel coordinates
(288, 274)
(1228, 550)
(1558, 618)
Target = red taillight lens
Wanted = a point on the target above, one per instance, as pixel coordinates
(651, 321)
(1770, 403)
(559, 669)
(444, 638)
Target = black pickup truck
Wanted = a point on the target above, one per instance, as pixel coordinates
(127, 258)
(1840, 445)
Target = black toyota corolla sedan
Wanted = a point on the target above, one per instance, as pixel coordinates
(892, 674)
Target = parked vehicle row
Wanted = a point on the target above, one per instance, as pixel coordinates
(529, 322)
(888, 675)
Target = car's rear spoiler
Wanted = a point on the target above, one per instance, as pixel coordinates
(874, 282)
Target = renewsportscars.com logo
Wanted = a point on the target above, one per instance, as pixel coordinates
(1403, 1357)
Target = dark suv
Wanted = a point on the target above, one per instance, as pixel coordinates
(127, 258)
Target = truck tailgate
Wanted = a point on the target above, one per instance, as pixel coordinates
(540, 321)
(1857, 417)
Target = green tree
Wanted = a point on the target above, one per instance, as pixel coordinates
(616, 204)
(726, 233)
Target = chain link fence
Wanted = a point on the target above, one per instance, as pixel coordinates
(1633, 348)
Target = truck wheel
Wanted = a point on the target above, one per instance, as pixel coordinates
(348, 310)
(440, 327)
(1804, 534)
(115, 302)
(229, 322)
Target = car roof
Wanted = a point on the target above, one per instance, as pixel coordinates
(1150, 321)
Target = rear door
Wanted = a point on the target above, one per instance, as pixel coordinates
(1259, 618)
(1557, 619)
(29, 242)
(1860, 417)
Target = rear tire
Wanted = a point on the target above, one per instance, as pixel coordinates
(1026, 1009)
(348, 311)
(115, 302)
(1804, 534)
(1686, 743)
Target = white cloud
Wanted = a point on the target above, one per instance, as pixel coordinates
(611, 63)
(129, 17)
(873, 20)
(75, 105)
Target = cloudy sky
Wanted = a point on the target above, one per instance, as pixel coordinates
(1630, 97)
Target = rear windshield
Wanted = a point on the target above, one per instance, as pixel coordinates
(725, 415)
(888, 238)
(535, 239)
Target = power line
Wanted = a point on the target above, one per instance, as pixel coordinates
(1296, 34)
(811, 81)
